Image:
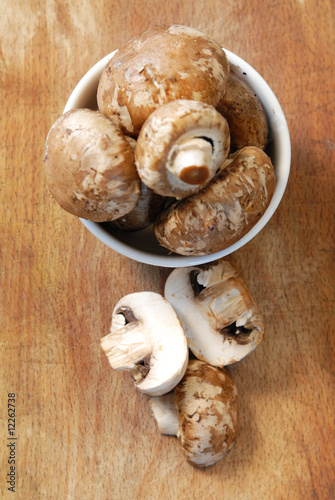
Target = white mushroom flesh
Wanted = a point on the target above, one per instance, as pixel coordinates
(144, 324)
(165, 412)
(219, 317)
(191, 161)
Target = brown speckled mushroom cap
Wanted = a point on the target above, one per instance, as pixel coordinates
(245, 114)
(206, 399)
(181, 146)
(90, 166)
(160, 65)
(147, 209)
(224, 211)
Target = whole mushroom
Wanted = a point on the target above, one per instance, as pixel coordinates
(222, 212)
(147, 208)
(148, 340)
(149, 205)
(160, 65)
(244, 112)
(202, 412)
(90, 166)
(221, 321)
(181, 146)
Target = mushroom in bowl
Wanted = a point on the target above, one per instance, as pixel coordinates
(90, 166)
(181, 146)
(160, 65)
(223, 211)
(244, 112)
(143, 245)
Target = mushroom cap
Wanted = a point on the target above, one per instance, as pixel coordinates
(177, 142)
(245, 114)
(208, 413)
(160, 65)
(220, 319)
(224, 211)
(90, 166)
(145, 328)
(147, 209)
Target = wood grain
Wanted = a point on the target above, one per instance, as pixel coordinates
(83, 431)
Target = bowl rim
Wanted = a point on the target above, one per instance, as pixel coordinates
(89, 83)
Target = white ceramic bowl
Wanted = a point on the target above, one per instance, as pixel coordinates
(142, 245)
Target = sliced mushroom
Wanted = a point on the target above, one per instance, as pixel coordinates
(245, 114)
(220, 319)
(202, 412)
(224, 211)
(90, 166)
(160, 65)
(181, 146)
(148, 340)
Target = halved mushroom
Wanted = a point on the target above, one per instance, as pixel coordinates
(220, 319)
(181, 147)
(244, 112)
(148, 340)
(202, 412)
(160, 65)
(224, 211)
(90, 166)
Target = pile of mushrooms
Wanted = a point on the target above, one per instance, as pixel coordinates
(177, 348)
(177, 141)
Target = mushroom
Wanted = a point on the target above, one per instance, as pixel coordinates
(160, 65)
(181, 146)
(220, 319)
(147, 209)
(244, 112)
(148, 340)
(224, 211)
(202, 412)
(90, 166)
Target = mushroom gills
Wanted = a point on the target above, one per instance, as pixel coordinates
(141, 369)
(239, 334)
(196, 286)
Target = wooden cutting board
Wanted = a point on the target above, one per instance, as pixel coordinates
(83, 431)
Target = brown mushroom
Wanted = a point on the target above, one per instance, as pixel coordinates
(224, 211)
(214, 299)
(160, 65)
(245, 114)
(147, 209)
(181, 146)
(90, 166)
(202, 411)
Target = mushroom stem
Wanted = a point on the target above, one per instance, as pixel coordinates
(190, 160)
(165, 412)
(125, 347)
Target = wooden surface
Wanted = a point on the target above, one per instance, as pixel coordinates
(83, 431)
